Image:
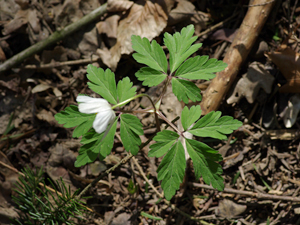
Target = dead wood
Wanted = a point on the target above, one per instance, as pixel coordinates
(237, 53)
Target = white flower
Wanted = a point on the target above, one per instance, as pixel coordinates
(105, 115)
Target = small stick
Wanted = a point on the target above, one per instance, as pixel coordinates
(249, 193)
(66, 63)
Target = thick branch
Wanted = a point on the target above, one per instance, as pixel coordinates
(237, 53)
(52, 39)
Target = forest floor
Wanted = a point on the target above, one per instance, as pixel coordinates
(260, 159)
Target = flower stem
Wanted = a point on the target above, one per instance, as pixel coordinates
(138, 96)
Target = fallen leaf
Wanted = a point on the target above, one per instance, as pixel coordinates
(109, 26)
(68, 13)
(40, 88)
(251, 82)
(146, 19)
(183, 11)
(122, 219)
(20, 19)
(229, 209)
(46, 116)
(225, 34)
(118, 5)
(8, 8)
(288, 62)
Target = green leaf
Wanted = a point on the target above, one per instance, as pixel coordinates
(151, 77)
(85, 158)
(204, 161)
(189, 116)
(211, 125)
(180, 46)
(150, 216)
(71, 117)
(103, 83)
(171, 170)
(185, 90)
(151, 55)
(95, 144)
(86, 155)
(200, 68)
(130, 129)
(164, 141)
(125, 89)
(132, 188)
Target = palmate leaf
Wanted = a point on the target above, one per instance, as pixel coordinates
(180, 46)
(171, 170)
(151, 77)
(71, 117)
(164, 141)
(200, 68)
(151, 55)
(185, 90)
(205, 163)
(189, 116)
(125, 89)
(103, 83)
(211, 125)
(130, 129)
(96, 145)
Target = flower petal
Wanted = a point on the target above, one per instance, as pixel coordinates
(103, 119)
(91, 105)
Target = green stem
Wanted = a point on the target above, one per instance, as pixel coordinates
(139, 96)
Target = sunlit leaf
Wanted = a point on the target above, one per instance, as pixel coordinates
(71, 117)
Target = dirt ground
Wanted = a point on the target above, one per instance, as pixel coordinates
(261, 159)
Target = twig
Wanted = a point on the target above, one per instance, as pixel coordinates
(216, 26)
(52, 39)
(145, 177)
(124, 160)
(249, 193)
(112, 168)
(162, 196)
(66, 63)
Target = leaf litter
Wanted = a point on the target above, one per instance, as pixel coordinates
(257, 159)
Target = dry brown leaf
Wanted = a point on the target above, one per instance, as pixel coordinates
(229, 209)
(46, 116)
(224, 34)
(109, 26)
(251, 82)
(146, 19)
(288, 62)
(87, 6)
(118, 5)
(183, 11)
(122, 219)
(40, 88)
(19, 20)
(68, 13)
(34, 21)
(8, 8)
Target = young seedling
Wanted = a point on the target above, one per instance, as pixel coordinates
(96, 119)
